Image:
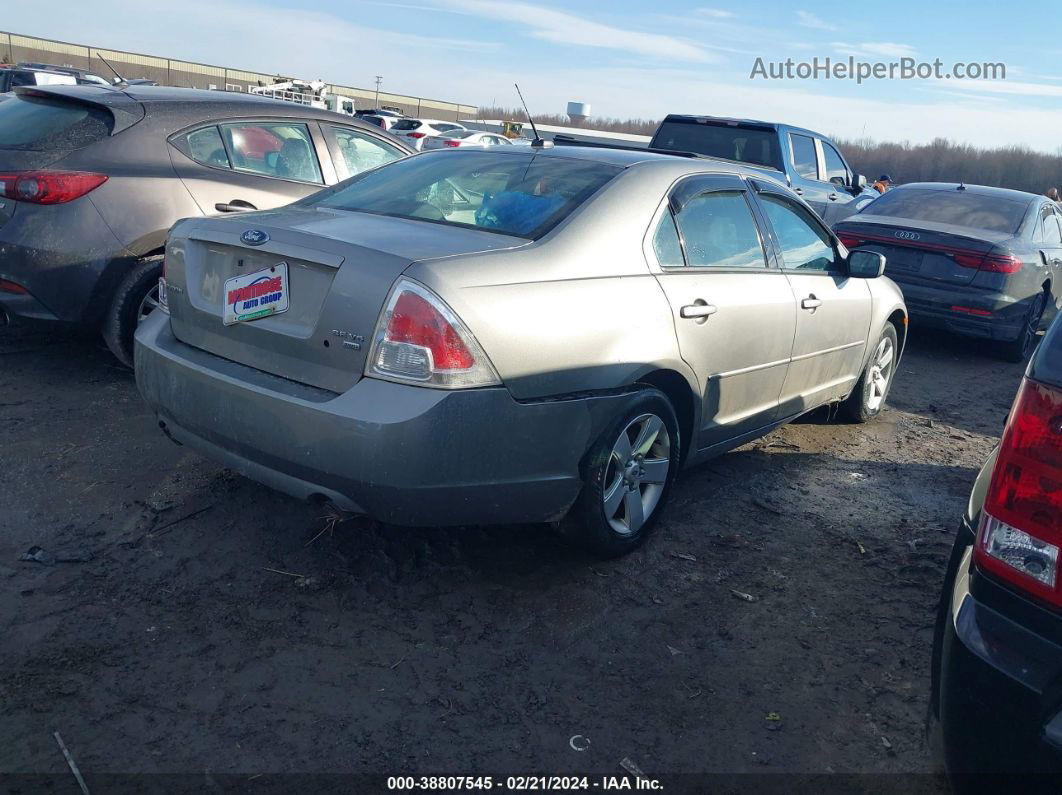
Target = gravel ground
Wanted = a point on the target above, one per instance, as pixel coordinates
(220, 628)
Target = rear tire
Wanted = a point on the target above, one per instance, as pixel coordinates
(868, 397)
(1018, 350)
(136, 297)
(628, 475)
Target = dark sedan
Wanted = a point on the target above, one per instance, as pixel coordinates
(977, 261)
(996, 702)
(92, 178)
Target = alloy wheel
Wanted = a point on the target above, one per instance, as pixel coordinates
(636, 473)
(880, 373)
(148, 304)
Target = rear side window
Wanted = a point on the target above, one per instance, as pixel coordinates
(204, 146)
(804, 156)
(718, 231)
(950, 206)
(521, 196)
(666, 243)
(35, 124)
(805, 245)
(280, 149)
(1049, 230)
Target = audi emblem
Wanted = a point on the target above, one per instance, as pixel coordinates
(908, 235)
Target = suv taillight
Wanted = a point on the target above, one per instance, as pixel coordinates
(1021, 524)
(420, 340)
(48, 187)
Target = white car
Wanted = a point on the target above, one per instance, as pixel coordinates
(466, 138)
(415, 131)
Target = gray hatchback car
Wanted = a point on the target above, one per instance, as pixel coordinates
(524, 335)
(92, 178)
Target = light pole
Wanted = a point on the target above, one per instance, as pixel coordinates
(379, 79)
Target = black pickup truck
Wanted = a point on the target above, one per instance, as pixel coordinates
(809, 162)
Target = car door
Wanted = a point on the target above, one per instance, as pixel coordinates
(734, 314)
(251, 164)
(1048, 242)
(354, 150)
(804, 176)
(832, 309)
(834, 170)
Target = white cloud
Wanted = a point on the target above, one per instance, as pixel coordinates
(561, 27)
(885, 49)
(809, 20)
(714, 13)
(1011, 87)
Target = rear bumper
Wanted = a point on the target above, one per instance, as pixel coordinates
(401, 454)
(1000, 687)
(67, 259)
(932, 306)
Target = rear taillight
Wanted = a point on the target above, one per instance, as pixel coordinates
(48, 187)
(1021, 525)
(416, 135)
(993, 263)
(850, 241)
(12, 287)
(420, 340)
(451, 142)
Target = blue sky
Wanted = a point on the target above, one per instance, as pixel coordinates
(625, 58)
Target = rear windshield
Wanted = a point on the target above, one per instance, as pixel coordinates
(34, 124)
(961, 208)
(746, 145)
(406, 124)
(525, 196)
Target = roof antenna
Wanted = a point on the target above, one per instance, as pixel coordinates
(537, 142)
(120, 78)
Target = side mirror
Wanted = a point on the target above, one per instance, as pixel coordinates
(859, 181)
(865, 264)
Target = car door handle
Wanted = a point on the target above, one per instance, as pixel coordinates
(811, 302)
(697, 310)
(832, 197)
(798, 191)
(235, 206)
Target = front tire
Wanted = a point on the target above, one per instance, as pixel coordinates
(628, 476)
(136, 297)
(868, 398)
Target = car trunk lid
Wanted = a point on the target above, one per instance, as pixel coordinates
(922, 251)
(340, 267)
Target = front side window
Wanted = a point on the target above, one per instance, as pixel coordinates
(521, 196)
(360, 153)
(273, 149)
(836, 170)
(804, 156)
(718, 231)
(805, 244)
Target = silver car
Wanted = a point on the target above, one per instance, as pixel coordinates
(515, 335)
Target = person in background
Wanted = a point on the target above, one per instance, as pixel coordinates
(1052, 194)
(882, 184)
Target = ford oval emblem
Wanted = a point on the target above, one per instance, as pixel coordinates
(254, 237)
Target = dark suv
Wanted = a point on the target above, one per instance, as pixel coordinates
(91, 180)
(809, 162)
(996, 705)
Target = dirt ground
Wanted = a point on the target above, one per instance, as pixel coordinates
(220, 628)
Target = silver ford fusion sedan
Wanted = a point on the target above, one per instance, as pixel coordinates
(526, 335)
